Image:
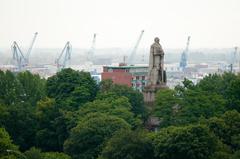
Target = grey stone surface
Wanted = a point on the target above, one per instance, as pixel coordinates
(156, 73)
(156, 64)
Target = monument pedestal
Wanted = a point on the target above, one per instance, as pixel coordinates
(150, 91)
(149, 94)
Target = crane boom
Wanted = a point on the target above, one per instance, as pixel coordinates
(234, 56)
(133, 53)
(18, 56)
(31, 46)
(183, 61)
(64, 57)
(92, 49)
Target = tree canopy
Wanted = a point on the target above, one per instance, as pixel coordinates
(69, 116)
(88, 137)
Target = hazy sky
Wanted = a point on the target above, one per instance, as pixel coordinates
(211, 23)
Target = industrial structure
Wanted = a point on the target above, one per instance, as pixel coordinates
(134, 51)
(132, 76)
(91, 52)
(183, 61)
(31, 46)
(233, 59)
(18, 56)
(65, 56)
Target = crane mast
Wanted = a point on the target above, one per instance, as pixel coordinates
(183, 61)
(31, 46)
(133, 53)
(64, 57)
(233, 59)
(92, 49)
(18, 56)
(234, 56)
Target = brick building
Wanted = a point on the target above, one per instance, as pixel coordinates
(132, 76)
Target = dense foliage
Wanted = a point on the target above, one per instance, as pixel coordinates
(128, 144)
(69, 116)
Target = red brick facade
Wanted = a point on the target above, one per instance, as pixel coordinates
(118, 77)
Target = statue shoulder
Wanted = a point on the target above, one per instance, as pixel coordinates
(154, 45)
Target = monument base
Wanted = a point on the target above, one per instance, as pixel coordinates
(149, 94)
(150, 91)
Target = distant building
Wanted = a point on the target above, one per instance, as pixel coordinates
(132, 76)
(96, 76)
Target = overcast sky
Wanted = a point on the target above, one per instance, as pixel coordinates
(118, 23)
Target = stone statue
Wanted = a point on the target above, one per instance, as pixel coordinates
(156, 68)
(156, 80)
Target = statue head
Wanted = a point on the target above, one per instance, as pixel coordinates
(156, 40)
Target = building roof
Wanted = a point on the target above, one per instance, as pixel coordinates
(125, 67)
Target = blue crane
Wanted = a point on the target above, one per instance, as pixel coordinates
(134, 51)
(64, 57)
(183, 61)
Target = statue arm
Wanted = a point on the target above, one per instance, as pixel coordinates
(152, 50)
(151, 57)
(161, 51)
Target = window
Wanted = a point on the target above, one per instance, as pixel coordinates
(137, 77)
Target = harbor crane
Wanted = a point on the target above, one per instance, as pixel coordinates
(92, 49)
(18, 57)
(183, 61)
(64, 57)
(134, 51)
(233, 59)
(31, 46)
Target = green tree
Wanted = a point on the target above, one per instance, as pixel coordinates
(226, 85)
(127, 144)
(6, 145)
(88, 137)
(190, 142)
(56, 155)
(227, 129)
(21, 123)
(233, 94)
(33, 87)
(71, 88)
(11, 89)
(236, 155)
(197, 103)
(166, 107)
(3, 114)
(21, 87)
(51, 131)
(34, 153)
(135, 97)
(119, 107)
